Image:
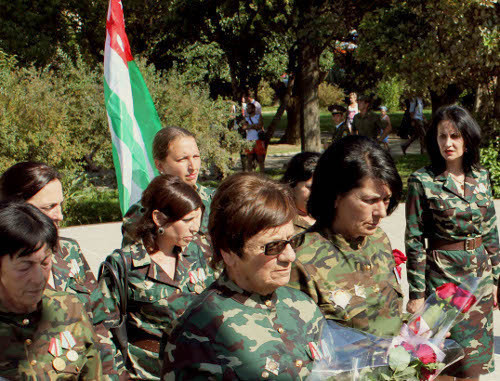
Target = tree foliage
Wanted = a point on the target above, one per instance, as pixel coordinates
(433, 44)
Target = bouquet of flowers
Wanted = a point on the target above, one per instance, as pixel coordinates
(419, 352)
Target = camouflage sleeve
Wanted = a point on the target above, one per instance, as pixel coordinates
(129, 220)
(489, 230)
(110, 356)
(414, 238)
(301, 280)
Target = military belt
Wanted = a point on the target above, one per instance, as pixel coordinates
(442, 244)
(148, 345)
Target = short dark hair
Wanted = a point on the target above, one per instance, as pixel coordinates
(23, 180)
(24, 229)
(468, 128)
(300, 168)
(171, 196)
(164, 137)
(342, 167)
(244, 205)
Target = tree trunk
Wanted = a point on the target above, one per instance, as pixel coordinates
(309, 75)
(445, 98)
(292, 132)
(496, 99)
(281, 109)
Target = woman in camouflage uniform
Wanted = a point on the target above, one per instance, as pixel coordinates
(345, 263)
(39, 184)
(247, 325)
(298, 176)
(164, 273)
(45, 334)
(175, 153)
(450, 203)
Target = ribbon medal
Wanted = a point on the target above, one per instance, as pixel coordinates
(272, 366)
(192, 277)
(55, 348)
(315, 352)
(201, 275)
(67, 340)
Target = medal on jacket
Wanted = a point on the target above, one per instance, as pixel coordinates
(201, 275)
(192, 277)
(59, 364)
(75, 269)
(341, 298)
(55, 348)
(67, 340)
(315, 352)
(272, 366)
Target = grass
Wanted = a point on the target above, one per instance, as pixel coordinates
(90, 204)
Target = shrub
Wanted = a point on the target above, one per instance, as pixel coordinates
(390, 92)
(329, 94)
(490, 159)
(265, 94)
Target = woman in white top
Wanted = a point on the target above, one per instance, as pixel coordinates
(254, 126)
(352, 110)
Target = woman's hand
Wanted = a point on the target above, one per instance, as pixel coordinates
(414, 305)
(495, 296)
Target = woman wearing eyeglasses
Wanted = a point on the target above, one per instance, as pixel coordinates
(247, 324)
(345, 263)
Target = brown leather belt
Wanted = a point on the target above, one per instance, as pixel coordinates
(442, 244)
(148, 345)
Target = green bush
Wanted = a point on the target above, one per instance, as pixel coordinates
(265, 94)
(390, 92)
(329, 94)
(490, 159)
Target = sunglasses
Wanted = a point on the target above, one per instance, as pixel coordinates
(277, 247)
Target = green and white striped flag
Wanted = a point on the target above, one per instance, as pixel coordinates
(133, 120)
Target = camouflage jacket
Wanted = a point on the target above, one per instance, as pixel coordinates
(136, 211)
(300, 224)
(230, 334)
(436, 209)
(28, 337)
(155, 300)
(72, 274)
(352, 283)
(369, 125)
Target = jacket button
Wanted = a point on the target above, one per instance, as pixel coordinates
(298, 363)
(281, 330)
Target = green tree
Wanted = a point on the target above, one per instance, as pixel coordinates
(443, 47)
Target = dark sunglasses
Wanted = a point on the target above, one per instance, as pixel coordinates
(277, 247)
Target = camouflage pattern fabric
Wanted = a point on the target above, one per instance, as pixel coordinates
(300, 224)
(136, 211)
(155, 300)
(369, 125)
(228, 334)
(28, 337)
(72, 274)
(436, 209)
(353, 283)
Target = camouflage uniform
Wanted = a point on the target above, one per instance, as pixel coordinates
(83, 284)
(136, 211)
(353, 283)
(228, 334)
(436, 210)
(300, 224)
(155, 301)
(27, 337)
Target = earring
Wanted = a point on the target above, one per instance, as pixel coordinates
(161, 230)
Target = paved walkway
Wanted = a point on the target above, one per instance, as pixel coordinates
(97, 241)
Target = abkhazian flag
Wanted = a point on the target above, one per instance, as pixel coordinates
(133, 120)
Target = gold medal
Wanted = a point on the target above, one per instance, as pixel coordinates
(72, 355)
(198, 289)
(59, 364)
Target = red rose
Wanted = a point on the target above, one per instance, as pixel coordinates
(463, 300)
(446, 290)
(425, 354)
(407, 346)
(427, 374)
(399, 256)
